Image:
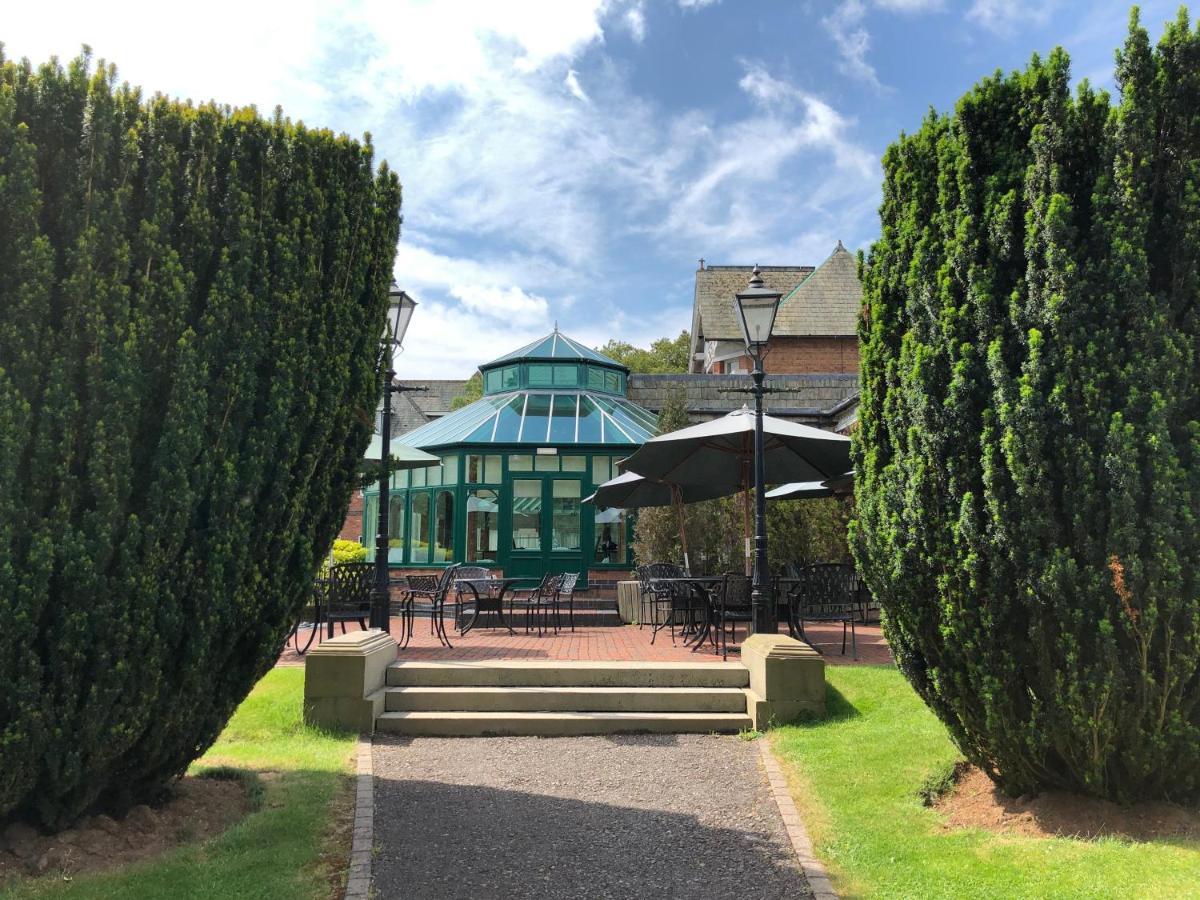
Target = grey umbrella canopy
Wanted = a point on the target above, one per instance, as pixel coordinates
(811, 490)
(403, 456)
(720, 453)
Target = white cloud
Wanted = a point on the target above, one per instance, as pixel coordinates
(910, 6)
(1006, 16)
(845, 26)
(696, 4)
(573, 85)
(635, 21)
(510, 303)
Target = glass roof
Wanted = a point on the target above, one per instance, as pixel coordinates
(539, 418)
(554, 346)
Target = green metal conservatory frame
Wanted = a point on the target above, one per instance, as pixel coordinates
(553, 421)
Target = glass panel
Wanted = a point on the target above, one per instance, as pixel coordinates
(601, 469)
(612, 382)
(562, 423)
(370, 520)
(541, 376)
(610, 536)
(521, 463)
(400, 479)
(396, 528)
(589, 421)
(474, 469)
(492, 381)
(595, 378)
(537, 418)
(527, 515)
(419, 528)
(450, 470)
(491, 469)
(433, 475)
(508, 423)
(545, 463)
(574, 463)
(509, 377)
(566, 376)
(443, 528)
(483, 526)
(565, 514)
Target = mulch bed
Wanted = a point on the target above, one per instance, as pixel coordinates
(976, 802)
(197, 809)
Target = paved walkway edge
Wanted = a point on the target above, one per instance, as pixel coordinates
(358, 883)
(814, 869)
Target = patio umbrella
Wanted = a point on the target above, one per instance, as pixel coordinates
(632, 491)
(403, 457)
(719, 454)
(811, 490)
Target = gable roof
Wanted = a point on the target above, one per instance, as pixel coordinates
(554, 346)
(827, 303)
(713, 318)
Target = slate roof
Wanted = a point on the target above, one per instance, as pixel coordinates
(412, 409)
(713, 318)
(825, 304)
(554, 346)
(811, 399)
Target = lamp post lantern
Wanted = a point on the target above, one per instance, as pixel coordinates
(400, 310)
(756, 307)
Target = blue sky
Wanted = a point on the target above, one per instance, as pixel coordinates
(570, 160)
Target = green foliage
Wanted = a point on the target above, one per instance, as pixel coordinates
(1028, 464)
(472, 391)
(666, 356)
(348, 551)
(188, 371)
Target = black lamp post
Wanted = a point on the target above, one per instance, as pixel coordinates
(756, 307)
(400, 310)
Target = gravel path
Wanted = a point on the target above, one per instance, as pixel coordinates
(583, 817)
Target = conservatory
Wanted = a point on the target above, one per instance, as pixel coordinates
(553, 421)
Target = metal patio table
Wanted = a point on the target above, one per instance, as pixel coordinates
(489, 597)
(699, 584)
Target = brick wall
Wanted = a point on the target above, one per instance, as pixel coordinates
(803, 356)
(352, 528)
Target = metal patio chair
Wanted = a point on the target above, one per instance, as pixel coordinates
(826, 592)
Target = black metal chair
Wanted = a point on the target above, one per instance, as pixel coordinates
(433, 590)
(348, 595)
(826, 592)
(535, 601)
(566, 594)
(465, 593)
(677, 603)
(731, 605)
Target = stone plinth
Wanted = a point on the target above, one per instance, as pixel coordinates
(787, 678)
(629, 601)
(344, 679)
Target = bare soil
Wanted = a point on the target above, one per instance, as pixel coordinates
(197, 809)
(976, 802)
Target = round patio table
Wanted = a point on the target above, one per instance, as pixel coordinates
(699, 585)
(489, 597)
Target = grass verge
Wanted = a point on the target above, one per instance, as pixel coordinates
(293, 846)
(857, 777)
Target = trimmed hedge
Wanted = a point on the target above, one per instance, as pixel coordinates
(190, 298)
(1028, 465)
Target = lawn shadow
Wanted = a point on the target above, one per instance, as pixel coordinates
(837, 709)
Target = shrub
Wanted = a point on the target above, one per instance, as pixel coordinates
(1028, 465)
(190, 298)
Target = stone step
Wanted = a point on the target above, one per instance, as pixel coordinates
(564, 673)
(557, 724)
(565, 699)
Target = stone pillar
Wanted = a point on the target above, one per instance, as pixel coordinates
(344, 680)
(787, 678)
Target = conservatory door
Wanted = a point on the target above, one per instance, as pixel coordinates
(547, 527)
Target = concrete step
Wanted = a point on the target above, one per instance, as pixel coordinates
(562, 673)
(557, 724)
(565, 699)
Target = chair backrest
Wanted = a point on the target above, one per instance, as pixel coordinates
(566, 584)
(665, 570)
(426, 584)
(471, 573)
(446, 580)
(735, 593)
(348, 589)
(827, 585)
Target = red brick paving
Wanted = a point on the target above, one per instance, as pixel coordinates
(626, 642)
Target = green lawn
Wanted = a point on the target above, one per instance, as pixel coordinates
(274, 852)
(856, 776)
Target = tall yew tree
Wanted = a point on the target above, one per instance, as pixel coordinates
(190, 298)
(1028, 467)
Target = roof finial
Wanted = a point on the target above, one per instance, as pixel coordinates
(556, 326)
(702, 264)
(839, 246)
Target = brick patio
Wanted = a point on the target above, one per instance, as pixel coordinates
(619, 643)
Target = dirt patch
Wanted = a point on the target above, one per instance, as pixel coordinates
(975, 802)
(197, 809)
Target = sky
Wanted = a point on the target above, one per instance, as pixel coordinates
(570, 161)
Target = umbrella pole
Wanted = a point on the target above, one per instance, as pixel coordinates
(677, 502)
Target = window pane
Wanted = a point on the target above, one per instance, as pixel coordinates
(450, 470)
(400, 479)
(521, 463)
(493, 380)
(610, 536)
(600, 469)
(419, 528)
(566, 514)
(545, 463)
(562, 423)
(537, 418)
(574, 463)
(508, 421)
(566, 376)
(433, 475)
(396, 528)
(491, 469)
(509, 377)
(612, 382)
(541, 375)
(595, 378)
(589, 422)
(527, 515)
(370, 520)
(474, 469)
(443, 528)
(483, 526)
(418, 477)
